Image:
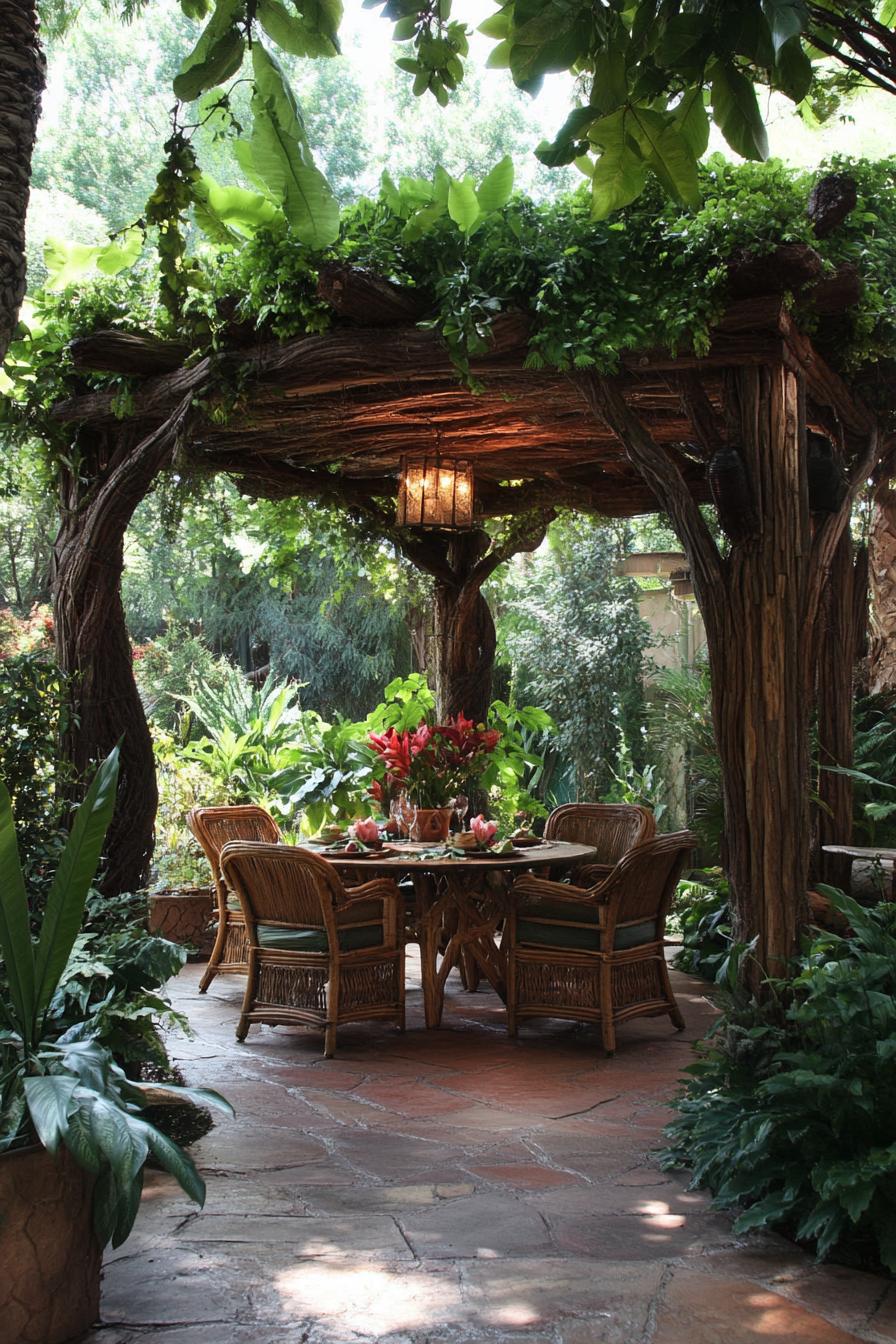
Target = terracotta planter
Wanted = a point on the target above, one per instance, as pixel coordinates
(432, 823)
(50, 1286)
(185, 917)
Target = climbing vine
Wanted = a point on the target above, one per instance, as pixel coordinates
(656, 275)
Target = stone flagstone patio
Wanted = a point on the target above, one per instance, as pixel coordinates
(455, 1187)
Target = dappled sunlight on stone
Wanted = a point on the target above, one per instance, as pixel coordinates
(365, 1299)
(453, 1187)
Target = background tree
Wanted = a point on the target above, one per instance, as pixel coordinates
(576, 644)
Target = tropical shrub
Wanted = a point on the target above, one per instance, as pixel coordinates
(32, 717)
(514, 776)
(643, 788)
(178, 861)
(327, 777)
(874, 770)
(248, 732)
(110, 988)
(576, 643)
(701, 914)
(679, 717)
(58, 1081)
(175, 663)
(789, 1114)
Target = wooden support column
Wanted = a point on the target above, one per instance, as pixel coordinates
(759, 603)
(882, 570)
(460, 562)
(760, 651)
(92, 641)
(838, 638)
(465, 637)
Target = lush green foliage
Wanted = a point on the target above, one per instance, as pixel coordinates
(789, 1115)
(679, 719)
(576, 643)
(32, 713)
(249, 729)
(59, 1081)
(702, 916)
(662, 277)
(646, 75)
(110, 989)
(644, 787)
(261, 747)
(650, 69)
(176, 664)
(874, 770)
(178, 861)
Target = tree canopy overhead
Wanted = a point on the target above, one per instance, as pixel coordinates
(650, 75)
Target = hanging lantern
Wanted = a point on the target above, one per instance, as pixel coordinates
(435, 491)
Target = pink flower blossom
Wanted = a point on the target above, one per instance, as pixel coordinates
(483, 830)
(366, 830)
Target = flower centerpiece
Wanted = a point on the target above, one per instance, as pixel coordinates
(432, 764)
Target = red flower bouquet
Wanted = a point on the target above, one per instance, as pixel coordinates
(435, 762)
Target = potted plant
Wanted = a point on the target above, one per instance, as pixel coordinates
(433, 764)
(182, 903)
(181, 900)
(73, 1140)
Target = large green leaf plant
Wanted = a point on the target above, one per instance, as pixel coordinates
(58, 1085)
(788, 1114)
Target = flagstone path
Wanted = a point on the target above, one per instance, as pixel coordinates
(455, 1187)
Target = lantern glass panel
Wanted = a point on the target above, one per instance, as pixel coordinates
(435, 492)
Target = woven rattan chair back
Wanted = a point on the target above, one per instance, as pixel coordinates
(285, 886)
(612, 828)
(214, 827)
(642, 884)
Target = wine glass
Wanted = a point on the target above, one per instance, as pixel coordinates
(408, 813)
(461, 807)
(396, 812)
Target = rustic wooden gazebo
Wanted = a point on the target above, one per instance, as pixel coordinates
(332, 416)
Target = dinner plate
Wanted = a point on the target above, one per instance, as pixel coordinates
(359, 854)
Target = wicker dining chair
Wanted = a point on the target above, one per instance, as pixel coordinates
(612, 828)
(320, 954)
(213, 827)
(596, 954)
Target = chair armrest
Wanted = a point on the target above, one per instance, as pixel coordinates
(391, 905)
(542, 887)
(591, 875)
(378, 888)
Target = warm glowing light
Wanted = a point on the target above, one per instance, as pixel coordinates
(435, 492)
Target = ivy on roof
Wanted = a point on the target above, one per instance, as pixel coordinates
(655, 275)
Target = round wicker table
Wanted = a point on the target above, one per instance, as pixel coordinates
(459, 903)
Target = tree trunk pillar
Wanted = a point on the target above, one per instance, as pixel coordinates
(92, 641)
(759, 651)
(94, 651)
(837, 649)
(22, 78)
(882, 576)
(464, 633)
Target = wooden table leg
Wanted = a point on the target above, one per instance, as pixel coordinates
(476, 914)
(432, 906)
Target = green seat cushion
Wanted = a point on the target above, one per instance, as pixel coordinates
(533, 931)
(572, 912)
(315, 940)
(233, 903)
